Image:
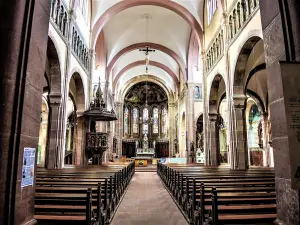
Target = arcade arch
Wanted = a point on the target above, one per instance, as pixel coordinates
(52, 85)
(74, 124)
(218, 114)
(250, 95)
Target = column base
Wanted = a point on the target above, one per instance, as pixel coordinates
(287, 200)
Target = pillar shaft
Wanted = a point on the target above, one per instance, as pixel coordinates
(53, 156)
(214, 151)
(23, 44)
(119, 127)
(171, 128)
(241, 151)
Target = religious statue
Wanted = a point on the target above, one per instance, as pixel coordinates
(145, 142)
(192, 153)
(176, 145)
(192, 146)
(200, 141)
(270, 132)
(115, 145)
(259, 131)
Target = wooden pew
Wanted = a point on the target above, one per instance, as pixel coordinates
(242, 194)
(61, 195)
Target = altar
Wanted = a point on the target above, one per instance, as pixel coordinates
(149, 152)
(145, 155)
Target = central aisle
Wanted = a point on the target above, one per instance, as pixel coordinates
(147, 202)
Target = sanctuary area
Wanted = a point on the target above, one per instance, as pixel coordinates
(158, 112)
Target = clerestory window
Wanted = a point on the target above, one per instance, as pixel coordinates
(211, 9)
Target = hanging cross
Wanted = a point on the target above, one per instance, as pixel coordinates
(147, 50)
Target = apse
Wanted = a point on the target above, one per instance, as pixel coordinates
(145, 117)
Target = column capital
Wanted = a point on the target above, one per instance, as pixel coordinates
(119, 103)
(239, 101)
(171, 105)
(212, 117)
(55, 98)
(265, 114)
(72, 15)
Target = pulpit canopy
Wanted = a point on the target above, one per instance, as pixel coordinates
(97, 110)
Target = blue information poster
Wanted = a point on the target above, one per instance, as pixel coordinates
(28, 167)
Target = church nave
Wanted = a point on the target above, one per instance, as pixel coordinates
(177, 111)
(146, 201)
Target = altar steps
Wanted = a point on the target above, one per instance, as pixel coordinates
(149, 168)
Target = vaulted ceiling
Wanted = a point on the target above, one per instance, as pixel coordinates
(133, 27)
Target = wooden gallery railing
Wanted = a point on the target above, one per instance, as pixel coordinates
(108, 197)
(179, 187)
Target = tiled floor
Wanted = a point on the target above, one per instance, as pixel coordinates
(147, 202)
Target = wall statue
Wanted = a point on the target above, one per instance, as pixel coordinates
(270, 132)
(260, 134)
(200, 141)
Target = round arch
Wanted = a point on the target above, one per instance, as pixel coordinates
(54, 78)
(123, 5)
(135, 46)
(151, 78)
(214, 97)
(257, 100)
(241, 62)
(142, 62)
(79, 98)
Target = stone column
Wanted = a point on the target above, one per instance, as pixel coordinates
(241, 151)
(281, 44)
(119, 127)
(266, 152)
(110, 140)
(190, 118)
(52, 156)
(284, 90)
(171, 128)
(205, 110)
(24, 28)
(213, 140)
(80, 142)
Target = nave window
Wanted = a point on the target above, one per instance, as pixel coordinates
(211, 9)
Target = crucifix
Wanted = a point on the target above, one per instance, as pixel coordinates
(147, 50)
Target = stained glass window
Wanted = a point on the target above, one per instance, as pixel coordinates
(155, 120)
(135, 121)
(126, 121)
(164, 120)
(145, 120)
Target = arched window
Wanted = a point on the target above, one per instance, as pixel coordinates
(164, 120)
(135, 121)
(126, 121)
(84, 8)
(211, 9)
(145, 120)
(155, 120)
